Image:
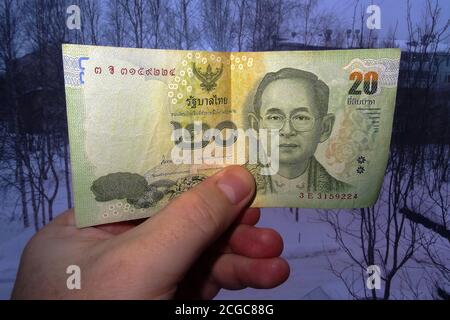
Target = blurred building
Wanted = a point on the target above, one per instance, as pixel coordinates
(39, 92)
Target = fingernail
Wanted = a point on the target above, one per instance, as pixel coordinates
(234, 186)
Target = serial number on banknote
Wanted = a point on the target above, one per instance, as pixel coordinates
(328, 196)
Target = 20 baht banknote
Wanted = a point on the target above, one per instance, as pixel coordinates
(313, 127)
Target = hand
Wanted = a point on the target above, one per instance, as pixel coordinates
(201, 242)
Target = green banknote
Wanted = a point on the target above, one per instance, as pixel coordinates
(145, 125)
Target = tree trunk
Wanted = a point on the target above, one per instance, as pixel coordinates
(18, 145)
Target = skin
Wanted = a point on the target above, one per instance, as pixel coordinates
(203, 241)
(287, 97)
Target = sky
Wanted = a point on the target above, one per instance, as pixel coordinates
(391, 12)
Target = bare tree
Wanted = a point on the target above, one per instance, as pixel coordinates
(391, 38)
(242, 9)
(433, 217)
(184, 6)
(356, 36)
(313, 24)
(379, 235)
(145, 18)
(115, 32)
(307, 14)
(91, 17)
(181, 32)
(265, 20)
(45, 25)
(155, 19)
(409, 224)
(217, 20)
(10, 40)
(135, 11)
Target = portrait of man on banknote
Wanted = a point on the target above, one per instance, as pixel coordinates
(295, 102)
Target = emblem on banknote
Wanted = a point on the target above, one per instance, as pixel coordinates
(207, 78)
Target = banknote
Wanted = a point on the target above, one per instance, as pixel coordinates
(145, 125)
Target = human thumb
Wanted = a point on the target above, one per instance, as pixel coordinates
(179, 233)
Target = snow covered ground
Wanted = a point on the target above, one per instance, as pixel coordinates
(10, 251)
(13, 237)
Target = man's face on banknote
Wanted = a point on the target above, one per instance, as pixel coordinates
(291, 105)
